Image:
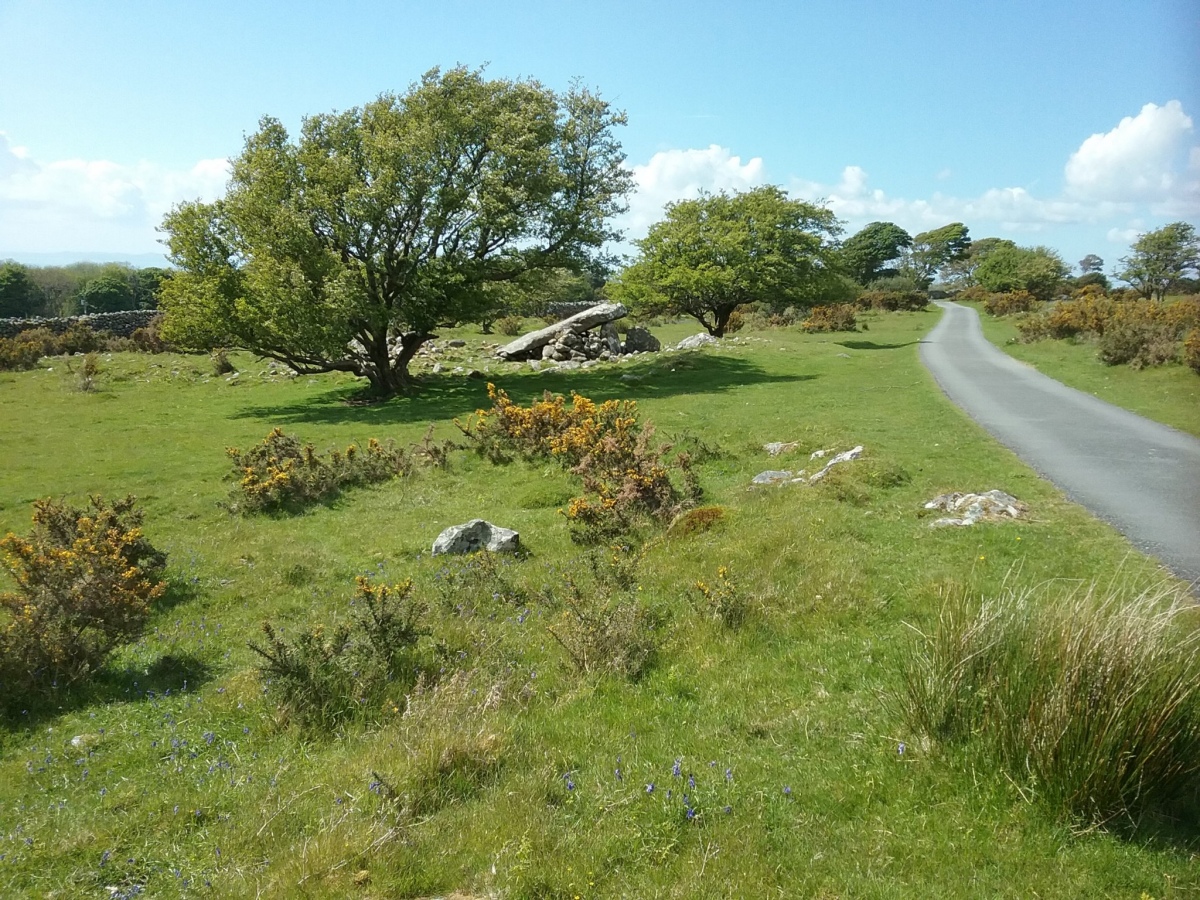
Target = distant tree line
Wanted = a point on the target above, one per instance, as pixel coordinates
(85, 287)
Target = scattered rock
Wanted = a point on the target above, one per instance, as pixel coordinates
(819, 454)
(990, 506)
(476, 535)
(775, 448)
(840, 458)
(457, 342)
(777, 476)
(696, 341)
(535, 364)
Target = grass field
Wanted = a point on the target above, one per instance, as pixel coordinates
(1168, 394)
(520, 777)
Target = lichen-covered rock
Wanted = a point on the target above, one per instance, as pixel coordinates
(990, 506)
(474, 536)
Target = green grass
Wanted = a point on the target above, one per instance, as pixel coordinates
(1169, 394)
(205, 791)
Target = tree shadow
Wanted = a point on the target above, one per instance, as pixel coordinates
(443, 397)
(871, 345)
(169, 674)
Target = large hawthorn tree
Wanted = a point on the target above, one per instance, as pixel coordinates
(712, 254)
(346, 249)
(1160, 258)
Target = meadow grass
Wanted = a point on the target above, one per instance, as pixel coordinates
(1168, 394)
(512, 773)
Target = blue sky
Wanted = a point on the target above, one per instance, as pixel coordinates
(1060, 123)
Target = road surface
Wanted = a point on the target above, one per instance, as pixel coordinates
(1141, 476)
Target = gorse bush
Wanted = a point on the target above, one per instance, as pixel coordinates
(280, 472)
(1010, 303)
(1191, 350)
(1090, 701)
(510, 325)
(1138, 332)
(605, 631)
(836, 317)
(326, 677)
(624, 474)
(85, 581)
(721, 599)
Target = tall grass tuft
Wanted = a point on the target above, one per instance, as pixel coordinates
(1089, 699)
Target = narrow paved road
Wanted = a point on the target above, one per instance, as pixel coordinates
(1142, 477)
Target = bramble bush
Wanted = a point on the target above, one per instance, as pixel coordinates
(624, 475)
(836, 317)
(1090, 700)
(85, 581)
(325, 679)
(281, 473)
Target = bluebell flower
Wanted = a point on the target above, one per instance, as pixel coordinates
(787, 790)
(677, 769)
(650, 788)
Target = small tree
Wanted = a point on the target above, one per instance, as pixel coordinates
(931, 250)
(866, 255)
(1091, 263)
(1038, 270)
(712, 254)
(1160, 258)
(345, 250)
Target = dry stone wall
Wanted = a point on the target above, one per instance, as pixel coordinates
(118, 324)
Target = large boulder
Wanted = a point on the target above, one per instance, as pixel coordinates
(530, 346)
(696, 341)
(640, 340)
(476, 535)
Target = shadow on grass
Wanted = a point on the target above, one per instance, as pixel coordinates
(447, 396)
(871, 345)
(167, 675)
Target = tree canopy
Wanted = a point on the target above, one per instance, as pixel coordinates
(866, 255)
(346, 249)
(1038, 270)
(1091, 263)
(960, 270)
(1160, 258)
(710, 255)
(931, 250)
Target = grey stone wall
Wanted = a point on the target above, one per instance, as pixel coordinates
(118, 324)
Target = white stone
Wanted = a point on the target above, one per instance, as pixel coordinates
(476, 535)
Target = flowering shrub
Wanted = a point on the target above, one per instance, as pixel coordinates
(623, 472)
(606, 633)
(280, 472)
(836, 317)
(1139, 332)
(722, 600)
(324, 679)
(1010, 303)
(1191, 350)
(85, 581)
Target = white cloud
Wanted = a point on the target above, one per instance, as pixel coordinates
(1139, 161)
(93, 205)
(682, 175)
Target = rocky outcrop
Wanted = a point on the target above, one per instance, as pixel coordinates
(990, 506)
(564, 333)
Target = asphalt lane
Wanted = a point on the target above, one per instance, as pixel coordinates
(1141, 476)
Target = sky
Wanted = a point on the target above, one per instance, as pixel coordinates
(1053, 122)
